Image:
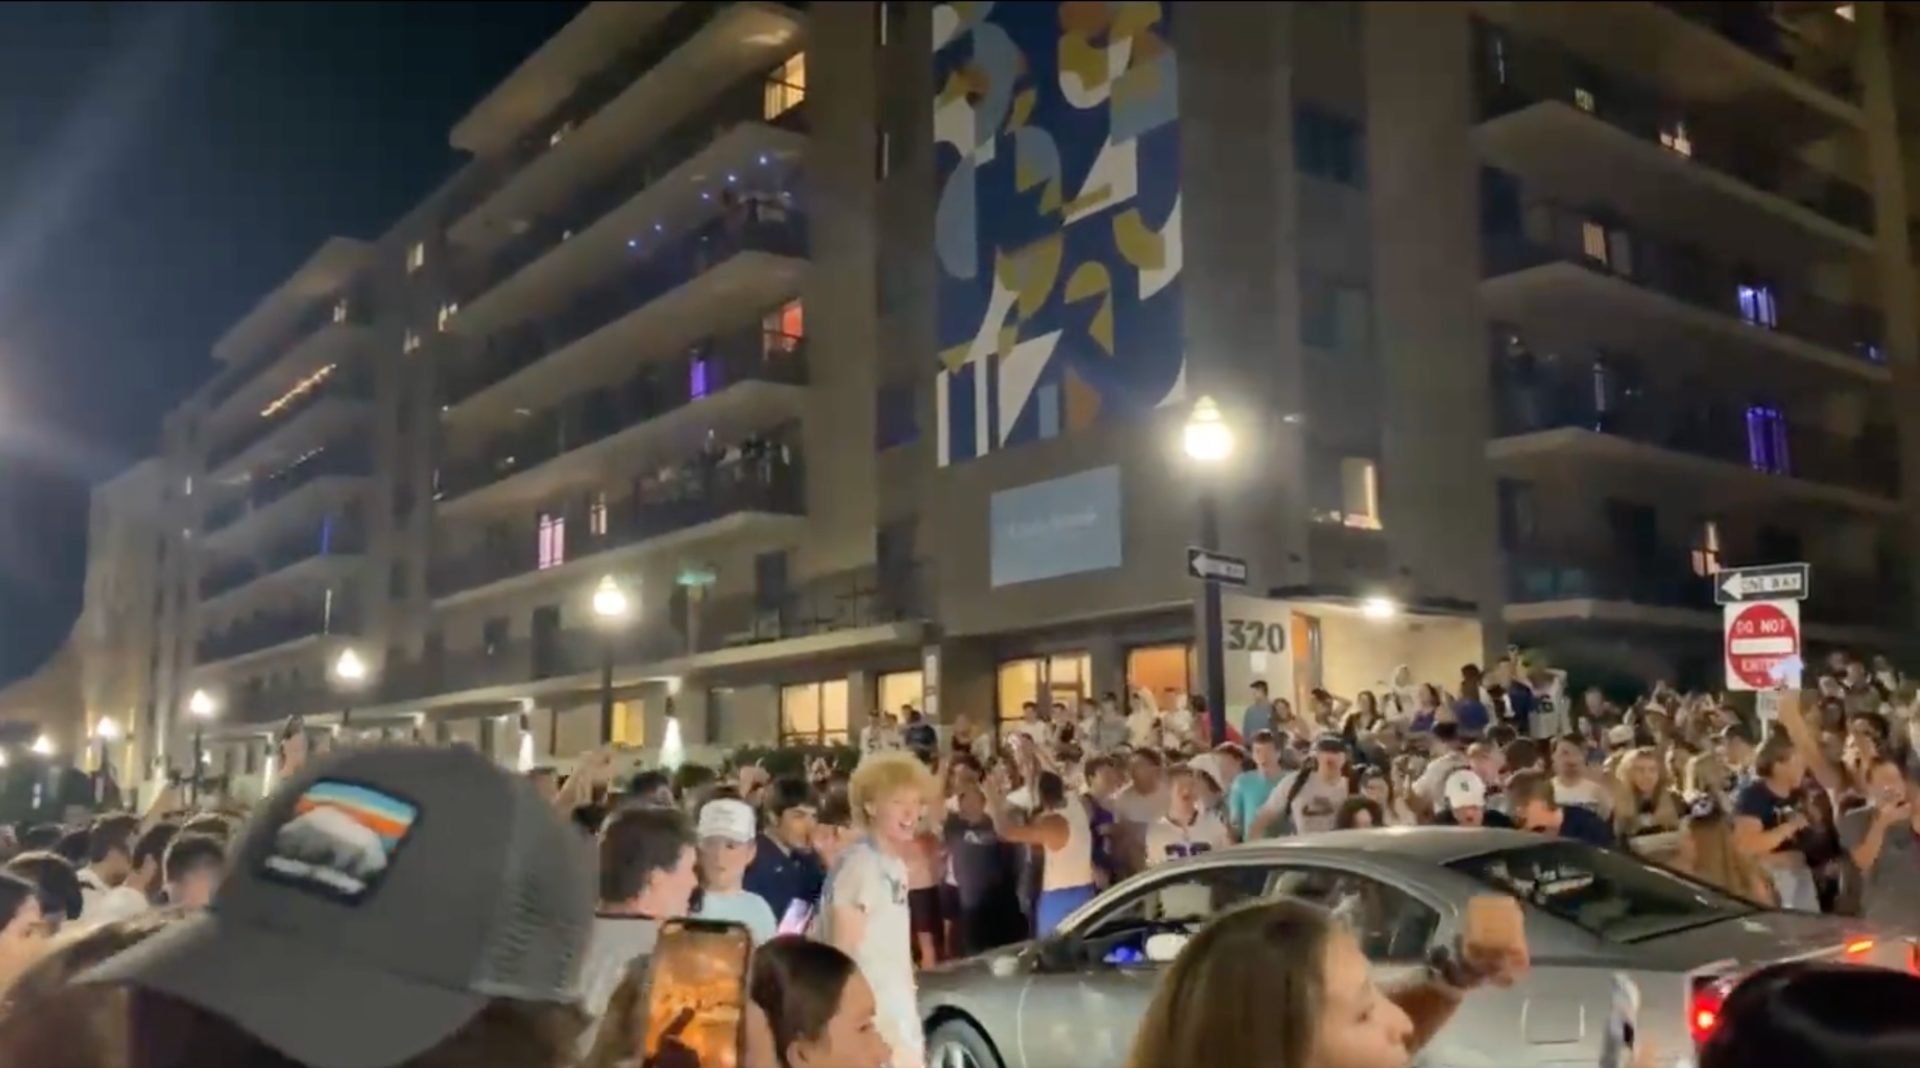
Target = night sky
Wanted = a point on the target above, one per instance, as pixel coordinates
(161, 167)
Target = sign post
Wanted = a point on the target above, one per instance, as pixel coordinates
(1758, 636)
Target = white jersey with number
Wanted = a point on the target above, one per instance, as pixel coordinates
(1167, 840)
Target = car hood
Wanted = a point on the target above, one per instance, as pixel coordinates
(955, 975)
(1767, 937)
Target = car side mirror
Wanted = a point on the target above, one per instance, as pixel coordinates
(1162, 948)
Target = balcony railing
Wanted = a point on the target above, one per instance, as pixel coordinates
(1601, 397)
(332, 537)
(765, 479)
(594, 92)
(863, 597)
(323, 315)
(333, 615)
(1664, 576)
(1752, 26)
(585, 418)
(345, 458)
(342, 384)
(743, 104)
(762, 227)
(1520, 73)
(1555, 234)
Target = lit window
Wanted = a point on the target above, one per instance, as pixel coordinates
(1845, 11)
(1360, 493)
(814, 712)
(409, 342)
(1674, 135)
(884, 164)
(1767, 440)
(553, 540)
(597, 515)
(1583, 99)
(447, 312)
(697, 372)
(786, 87)
(1593, 241)
(1757, 304)
(340, 310)
(784, 327)
(1706, 549)
(416, 256)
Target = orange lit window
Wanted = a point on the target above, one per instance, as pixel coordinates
(784, 327)
(786, 86)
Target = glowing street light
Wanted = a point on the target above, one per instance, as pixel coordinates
(1208, 442)
(1207, 438)
(107, 729)
(613, 608)
(610, 602)
(350, 668)
(43, 746)
(201, 707)
(1379, 608)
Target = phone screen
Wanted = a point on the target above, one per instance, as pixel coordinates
(697, 993)
(799, 916)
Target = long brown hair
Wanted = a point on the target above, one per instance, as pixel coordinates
(1246, 991)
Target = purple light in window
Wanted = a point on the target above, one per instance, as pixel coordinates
(1767, 440)
(697, 377)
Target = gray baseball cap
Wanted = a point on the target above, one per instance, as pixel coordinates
(375, 904)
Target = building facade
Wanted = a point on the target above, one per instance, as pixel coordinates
(852, 343)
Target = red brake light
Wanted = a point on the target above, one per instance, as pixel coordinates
(1703, 1009)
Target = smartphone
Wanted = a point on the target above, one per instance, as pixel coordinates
(798, 918)
(697, 994)
(1623, 1024)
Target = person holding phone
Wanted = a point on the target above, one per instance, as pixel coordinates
(864, 910)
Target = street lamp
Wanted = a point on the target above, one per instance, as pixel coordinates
(1208, 442)
(106, 731)
(202, 708)
(349, 671)
(43, 746)
(612, 608)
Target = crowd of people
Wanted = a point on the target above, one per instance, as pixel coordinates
(456, 914)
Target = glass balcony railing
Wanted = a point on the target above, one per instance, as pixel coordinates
(1665, 576)
(264, 630)
(1601, 397)
(332, 536)
(864, 597)
(1550, 233)
(594, 92)
(657, 389)
(322, 316)
(1755, 27)
(340, 385)
(758, 227)
(759, 476)
(342, 459)
(743, 104)
(1514, 73)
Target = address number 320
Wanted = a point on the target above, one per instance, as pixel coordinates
(1254, 636)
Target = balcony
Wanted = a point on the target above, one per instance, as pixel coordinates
(1578, 579)
(642, 92)
(325, 476)
(669, 299)
(328, 332)
(726, 386)
(266, 631)
(1545, 412)
(1620, 286)
(328, 406)
(724, 493)
(289, 560)
(848, 600)
(1815, 44)
(1587, 137)
(683, 181)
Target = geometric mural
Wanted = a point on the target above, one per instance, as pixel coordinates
(1057, 221)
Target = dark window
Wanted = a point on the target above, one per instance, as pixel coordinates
(397, 580)
(1635, 528)
(493, 636)
(896, 420)
(893, 545)
(1329, 146)
(1334, 316)
(546, 641)
(402, 502)
(770, 579)
(1778, 543)
(1517, 524)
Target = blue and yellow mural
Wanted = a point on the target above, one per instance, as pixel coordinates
(1057, 230)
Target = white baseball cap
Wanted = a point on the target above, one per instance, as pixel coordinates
(726, 818)
(1465, 790)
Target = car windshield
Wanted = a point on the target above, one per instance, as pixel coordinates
(1613, 895)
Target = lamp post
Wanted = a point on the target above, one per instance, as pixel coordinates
(201, 707)
(1208, 442)
(349, 671)
(105, 732)
(612, 608)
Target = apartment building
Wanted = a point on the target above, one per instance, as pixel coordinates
(850, 346)
(116, 639)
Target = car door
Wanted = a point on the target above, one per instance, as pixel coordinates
(1395, 925)
(1085, 999)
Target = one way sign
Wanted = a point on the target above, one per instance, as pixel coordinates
(1773, 582)
(1210, 566)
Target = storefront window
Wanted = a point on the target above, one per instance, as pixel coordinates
(1160, 668)
(1044, 680)
(899, 688)
(629, 723)
(814, 713)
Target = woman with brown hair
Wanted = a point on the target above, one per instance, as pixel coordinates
(1283, 984)
(1645, 802)
(1706, 852)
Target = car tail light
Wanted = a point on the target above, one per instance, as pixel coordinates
(1703, 1005)
(1859, 947)
(1913, 957)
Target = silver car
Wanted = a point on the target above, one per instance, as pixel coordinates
(1074, 1000)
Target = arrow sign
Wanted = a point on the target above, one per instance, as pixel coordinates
(1210, 566)
(1774, 582)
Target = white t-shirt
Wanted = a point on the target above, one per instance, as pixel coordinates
(1586, 794)
(1167, 840)
(875, 883)
(100, 903)
(1132, 806)
(740, 906)
(1143, 728)
(1315, 807)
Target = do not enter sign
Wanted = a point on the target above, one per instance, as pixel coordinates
(1759, 635)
